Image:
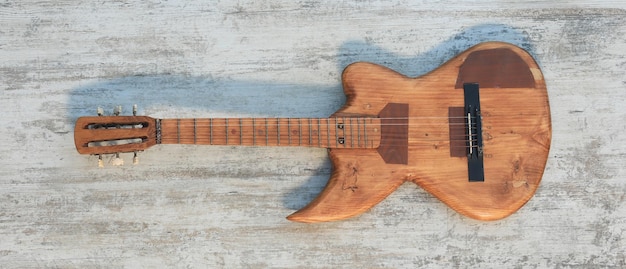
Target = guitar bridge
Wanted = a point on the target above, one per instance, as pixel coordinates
(473, 132)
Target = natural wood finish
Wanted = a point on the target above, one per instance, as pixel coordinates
(109, 134)
(104, 131)
(516, 129)
(515, 120)
(340, 132)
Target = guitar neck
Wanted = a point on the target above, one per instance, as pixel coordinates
(341, 132)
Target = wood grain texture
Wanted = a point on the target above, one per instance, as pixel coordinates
(103, 134)
(220, 207)
(290, 132)
(517, 137)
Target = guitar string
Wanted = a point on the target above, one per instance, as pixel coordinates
(244, 136)
(340, 146)
(247, 122)
(338, 120)
(285, 118)
(432, 136)
(285, 125)
(315, 145)
(322, 144)
(234, 142)
(261, 132)
(247, 134)
(322, 118)
(182, 128)
(182, 124)
(393, 134)
(314, 142)
(444, 139)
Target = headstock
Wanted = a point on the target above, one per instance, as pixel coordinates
(114, 134)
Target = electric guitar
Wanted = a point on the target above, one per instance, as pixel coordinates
(474, 133)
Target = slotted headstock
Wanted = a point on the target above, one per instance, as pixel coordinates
(114, 134)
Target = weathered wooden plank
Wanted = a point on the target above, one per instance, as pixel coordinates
(225, 206)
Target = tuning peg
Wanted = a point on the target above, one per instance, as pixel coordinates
(135, 110)
(117, 110)
(135, 159)
(117, 161)
(100, 162)
(100, 111)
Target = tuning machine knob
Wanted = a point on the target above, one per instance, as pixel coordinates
(117, 110)
(117, 161)
(108, 123)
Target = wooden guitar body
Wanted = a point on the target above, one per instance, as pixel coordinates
(394, 129)
(516, 132)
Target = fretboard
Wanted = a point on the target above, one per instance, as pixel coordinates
(343, 132)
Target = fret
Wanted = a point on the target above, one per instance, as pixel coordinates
(328, 131)
(336, 134)
(351, 134)
(358, 133)
(299, 131)
(226, 130)
(278, 132)
(372, 140)
(178, 130)
(195, 131)
(319, 133)
(253, 131)
(343, 130)
(365, 130)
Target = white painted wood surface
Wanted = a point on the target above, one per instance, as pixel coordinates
(224, 207)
